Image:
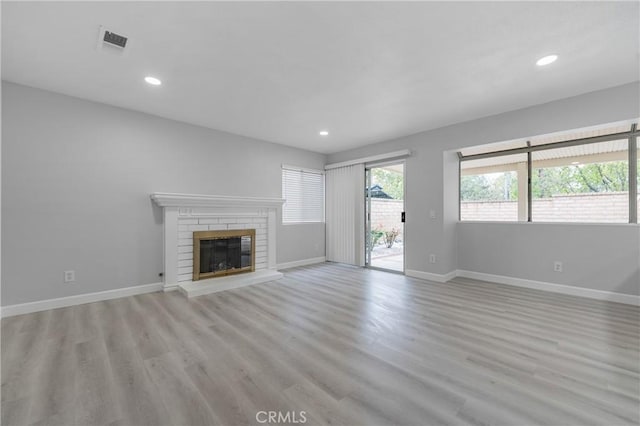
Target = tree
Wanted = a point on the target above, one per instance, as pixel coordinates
(391, 182)
(580, 179)
(547, 182)
(501, 186)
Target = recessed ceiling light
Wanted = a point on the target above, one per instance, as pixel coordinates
(153, 81)
(323, 133)
(546, 60)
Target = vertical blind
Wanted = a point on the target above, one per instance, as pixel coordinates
(303, 191)
(345, 214)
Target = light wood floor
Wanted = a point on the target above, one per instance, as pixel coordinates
(344, 345)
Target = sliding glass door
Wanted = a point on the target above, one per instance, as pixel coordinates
(384, 216)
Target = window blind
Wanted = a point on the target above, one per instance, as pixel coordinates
(303, 191)
(345, 214)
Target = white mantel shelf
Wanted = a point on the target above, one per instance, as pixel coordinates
(166, 199)
(185, 213)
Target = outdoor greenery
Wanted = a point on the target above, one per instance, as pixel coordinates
(390, 237)
(391, 182)
(581, 178)
(573, 179)
(492, 187)
(376, 234)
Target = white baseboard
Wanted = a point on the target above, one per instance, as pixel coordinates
(430, 276)
(303, 262)
(79, 299)
(610, 296)
(43, 305)
(171, 287)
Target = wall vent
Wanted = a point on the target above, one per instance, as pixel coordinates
(112, 43)
(115, 39)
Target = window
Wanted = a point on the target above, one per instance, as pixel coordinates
(587, 179)
(489, 188)
(583, 183)
(303, 191)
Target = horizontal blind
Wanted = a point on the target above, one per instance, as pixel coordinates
(303, 191)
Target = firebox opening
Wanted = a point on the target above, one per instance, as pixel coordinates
(220, 253)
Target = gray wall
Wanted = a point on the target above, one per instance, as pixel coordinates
(76, 179)
(431, 184)
(601, 257)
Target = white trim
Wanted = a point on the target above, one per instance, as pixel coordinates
(166, 199)
(61, 302)
(361, 231)
(301, 223)
(170, 245)
(170, 287)
(271, 239)
(628, 299)
(302, 169)
(429, 276)
(303, 262)
(79, 299)
(388, 156)
(525, 223)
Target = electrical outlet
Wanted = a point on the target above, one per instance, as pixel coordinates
(432, 258)
(557, 266)
(69, 276)
(432, 214)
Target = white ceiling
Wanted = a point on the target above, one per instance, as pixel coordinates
(282, 71)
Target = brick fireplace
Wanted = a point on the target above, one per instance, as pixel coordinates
(185, 214)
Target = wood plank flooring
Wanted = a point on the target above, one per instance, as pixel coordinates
(341, 344)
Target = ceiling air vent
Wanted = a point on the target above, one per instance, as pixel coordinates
(112, 43)
(115, 39)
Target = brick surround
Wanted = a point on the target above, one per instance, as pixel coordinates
(186, 226)
(185, 213)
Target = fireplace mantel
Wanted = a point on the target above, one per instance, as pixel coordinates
(166, 199)
(185, 213)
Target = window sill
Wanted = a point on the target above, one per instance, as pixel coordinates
(490, 222)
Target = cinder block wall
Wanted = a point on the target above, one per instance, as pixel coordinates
(385, 214)
(599, 208)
